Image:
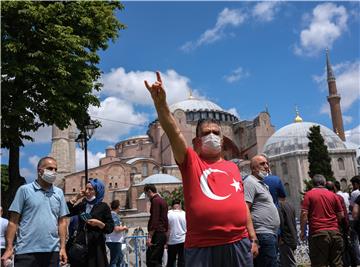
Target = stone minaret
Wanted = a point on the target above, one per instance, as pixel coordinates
(63, 150)
(334, 101)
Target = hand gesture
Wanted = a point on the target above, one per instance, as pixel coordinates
(157, 90)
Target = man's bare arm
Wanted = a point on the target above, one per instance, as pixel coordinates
(303, 222)
(63, 224)
(167, 120)
(10, 235)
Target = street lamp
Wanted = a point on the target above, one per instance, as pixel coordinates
(86, 133)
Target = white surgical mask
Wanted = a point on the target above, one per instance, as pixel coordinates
(211, 144)
(90, 198)
(263, 174)
(49, 176)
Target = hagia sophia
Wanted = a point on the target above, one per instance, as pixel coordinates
(135, 161)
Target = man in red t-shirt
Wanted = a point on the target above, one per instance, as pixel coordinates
(219, 226)
(324, 212)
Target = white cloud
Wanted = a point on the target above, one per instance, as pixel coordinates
(43, 135)
(236, 75)
(227, 17)
(347, 119)
(93, 159)
(130, 85)
(120, 119)
(29, 175)
(353, 135)
(33, 160)
(347, 83)
(265, 11)
(327, 24)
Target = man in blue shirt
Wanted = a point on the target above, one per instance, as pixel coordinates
(38, 217)
(276, 188)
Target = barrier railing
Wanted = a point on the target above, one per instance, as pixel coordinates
(135, 252)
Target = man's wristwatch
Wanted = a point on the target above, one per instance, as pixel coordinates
(254, 241)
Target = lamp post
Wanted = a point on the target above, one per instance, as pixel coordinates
(86, 133)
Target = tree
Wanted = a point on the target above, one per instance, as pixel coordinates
(49, 66)
(318, 157)
(177, 194)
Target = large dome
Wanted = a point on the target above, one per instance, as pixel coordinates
(293, 137)
(195, 104)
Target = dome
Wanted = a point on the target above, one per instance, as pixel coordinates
(195, 104)
(293, 137)
(160, 178)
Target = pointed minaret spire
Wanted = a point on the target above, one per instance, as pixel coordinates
(334, 101)
(330, 73)
(297, 118)
(190, 94)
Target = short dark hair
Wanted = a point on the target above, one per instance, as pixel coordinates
(337, 185)
(175, 201)
(203, 121)
(150, 187)
(41, 161)
(115, 204)
(355, 179)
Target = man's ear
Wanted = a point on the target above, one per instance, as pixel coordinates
(196, 143)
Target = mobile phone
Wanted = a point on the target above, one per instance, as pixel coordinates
(85, 216)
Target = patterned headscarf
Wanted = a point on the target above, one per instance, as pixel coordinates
(99, 188)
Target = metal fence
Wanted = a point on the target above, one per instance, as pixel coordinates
(135, 250)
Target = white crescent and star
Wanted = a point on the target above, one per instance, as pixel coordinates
(206, 189)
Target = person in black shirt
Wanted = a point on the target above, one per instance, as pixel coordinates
(157, 227)
(288, 235)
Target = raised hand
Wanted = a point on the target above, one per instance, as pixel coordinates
(157, 90)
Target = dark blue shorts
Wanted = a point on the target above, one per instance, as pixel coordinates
(237, 254)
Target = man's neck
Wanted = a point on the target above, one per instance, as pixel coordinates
(211, 159)
(43, 184)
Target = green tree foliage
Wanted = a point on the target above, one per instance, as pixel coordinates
(50, 59)
(177, 194)
(318, 157)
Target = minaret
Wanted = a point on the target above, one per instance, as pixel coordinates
(63, 150)
(334, 101)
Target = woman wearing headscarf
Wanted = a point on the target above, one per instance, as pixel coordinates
(95, 221)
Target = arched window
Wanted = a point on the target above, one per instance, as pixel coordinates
(287, 189)
(116, 185)
(284, 168)
(341, 164)
(155, 170)
(110, 185)
(144, 169)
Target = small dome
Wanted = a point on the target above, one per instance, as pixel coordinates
(293, 137)
(195, 104)
(160, 178)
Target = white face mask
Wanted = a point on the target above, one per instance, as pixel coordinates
(90, 198)
(211, 144)
(263, 174)
(49, 176)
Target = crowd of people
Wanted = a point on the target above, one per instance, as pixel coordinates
(229, 220)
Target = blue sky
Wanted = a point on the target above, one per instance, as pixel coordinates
(244, 56)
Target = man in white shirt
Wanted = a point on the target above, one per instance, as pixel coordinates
(176, 233)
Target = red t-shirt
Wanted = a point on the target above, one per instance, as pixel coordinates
(214, 201)
(322, 206)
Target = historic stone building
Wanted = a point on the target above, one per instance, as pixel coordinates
(132, 161)
(287, 150)
(135, 161)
